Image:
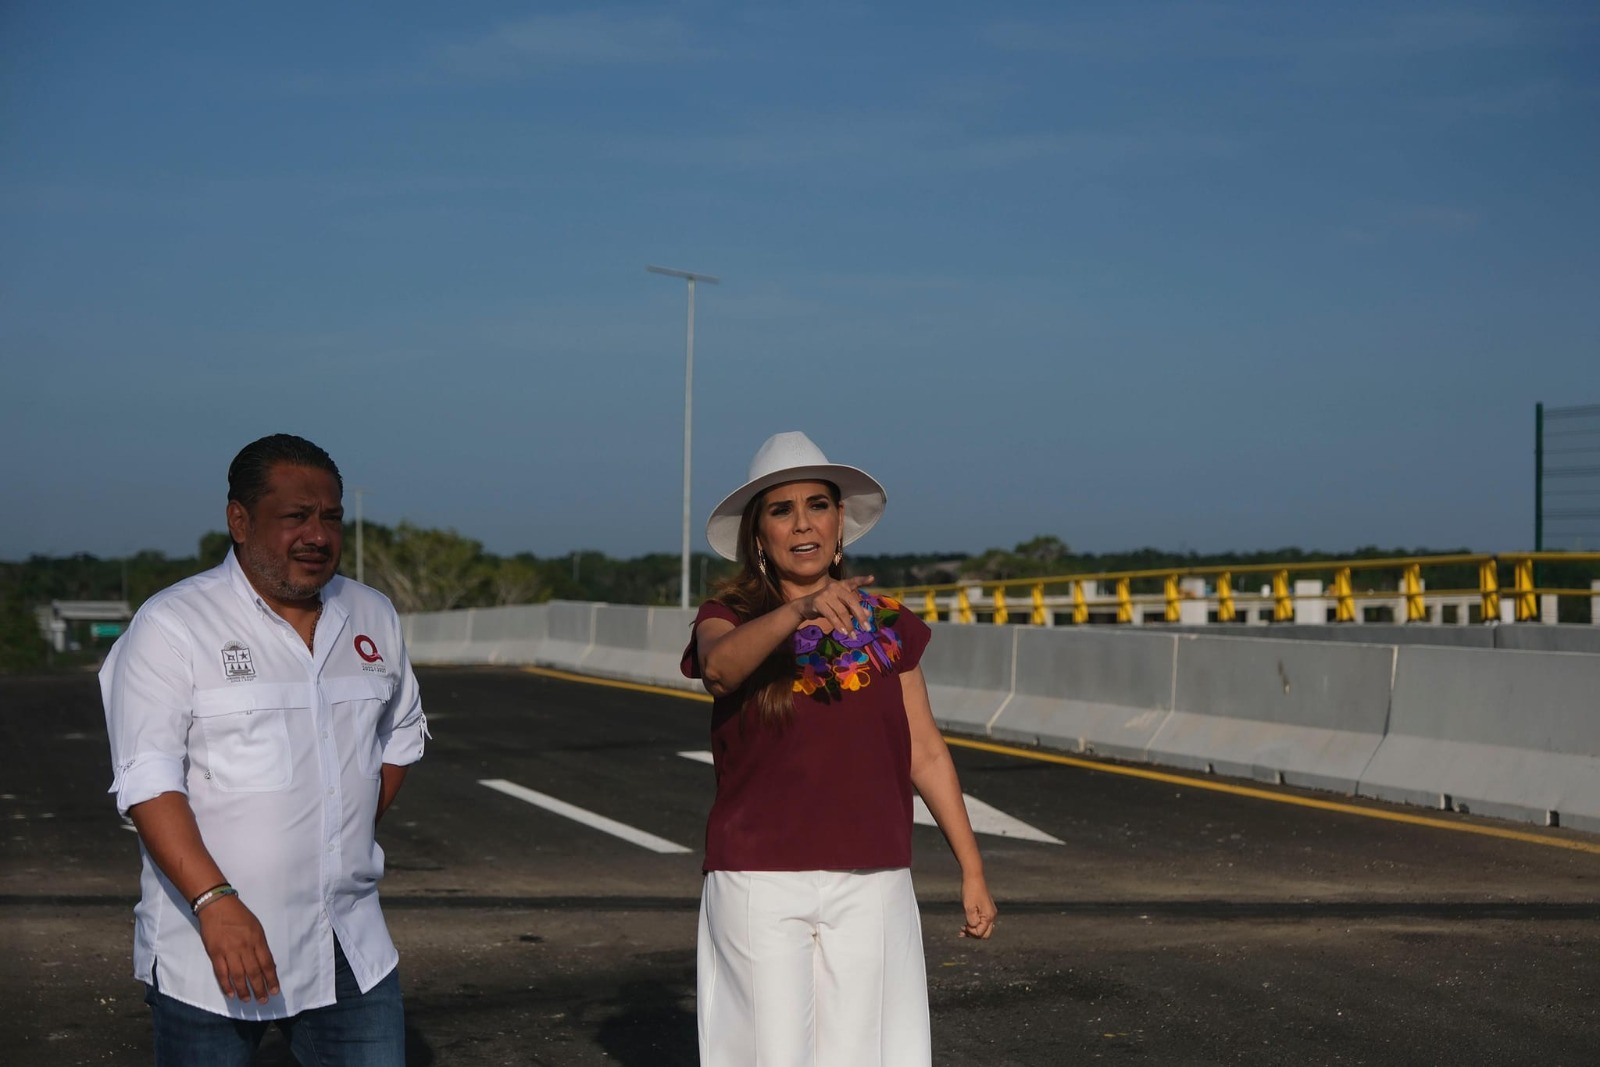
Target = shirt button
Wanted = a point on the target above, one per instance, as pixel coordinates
(324, 735)
(330, 790)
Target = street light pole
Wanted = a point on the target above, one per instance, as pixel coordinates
(688, 415)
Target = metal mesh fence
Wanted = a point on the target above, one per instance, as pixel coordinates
(1567, 517)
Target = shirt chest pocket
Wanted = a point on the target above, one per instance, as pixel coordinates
(358, 705)
(245, 731)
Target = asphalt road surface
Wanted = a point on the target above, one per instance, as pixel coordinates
(1178, 921)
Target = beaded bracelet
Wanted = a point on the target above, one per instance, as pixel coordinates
(216, 892)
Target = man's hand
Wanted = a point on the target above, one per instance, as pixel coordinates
(238, 949)
(391, 778)
(231, 934)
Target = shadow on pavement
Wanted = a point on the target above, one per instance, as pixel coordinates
(648, 1027)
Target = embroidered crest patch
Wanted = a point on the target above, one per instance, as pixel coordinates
(236, 663)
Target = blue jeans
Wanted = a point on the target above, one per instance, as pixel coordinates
(357, 1030)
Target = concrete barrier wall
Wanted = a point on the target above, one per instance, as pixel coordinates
(1497, 731)
(968, 671)
(1514, 735)
(506, 634)
(569, 634)
(621, 636)
(669, 635)
(611, 641)
(640, 645)
(1535, 637)
(1295, 712)
(1105, 692)
(1524, 637)
(438, 636)
(1371, 633)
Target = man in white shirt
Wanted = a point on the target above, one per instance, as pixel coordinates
(262, 716)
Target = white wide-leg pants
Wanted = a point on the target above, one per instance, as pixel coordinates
(811, 969)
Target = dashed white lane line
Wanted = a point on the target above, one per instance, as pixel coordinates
(985, 818)
(630, 834)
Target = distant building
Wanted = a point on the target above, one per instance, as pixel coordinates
(105, 619)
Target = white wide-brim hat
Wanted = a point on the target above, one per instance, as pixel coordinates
(792, 457)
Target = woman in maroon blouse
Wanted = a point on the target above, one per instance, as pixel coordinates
(810, 942)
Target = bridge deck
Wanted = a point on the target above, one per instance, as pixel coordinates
(1174, 924)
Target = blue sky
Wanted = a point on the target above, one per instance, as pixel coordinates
(1199, 276)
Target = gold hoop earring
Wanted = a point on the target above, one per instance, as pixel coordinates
(761, 561)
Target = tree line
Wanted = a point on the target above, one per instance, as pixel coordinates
(419, 569)
(441, 570)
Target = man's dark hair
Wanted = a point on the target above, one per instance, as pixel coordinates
(250, 469)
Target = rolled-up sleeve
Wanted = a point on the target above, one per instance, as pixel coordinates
(147, 688)
(403, 730)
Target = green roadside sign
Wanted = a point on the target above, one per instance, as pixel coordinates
(105, 629)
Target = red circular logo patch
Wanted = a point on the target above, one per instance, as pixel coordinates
(367, 648)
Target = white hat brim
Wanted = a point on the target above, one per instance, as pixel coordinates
(860, 496)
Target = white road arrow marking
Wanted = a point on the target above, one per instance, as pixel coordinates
(588, 818)
(985, 818)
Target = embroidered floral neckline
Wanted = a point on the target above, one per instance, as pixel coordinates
(828, 665)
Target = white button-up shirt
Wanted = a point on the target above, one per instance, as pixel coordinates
(211, 693)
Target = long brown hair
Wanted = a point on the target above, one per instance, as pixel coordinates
(752, 594)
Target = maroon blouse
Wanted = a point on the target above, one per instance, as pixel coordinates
(831, 789)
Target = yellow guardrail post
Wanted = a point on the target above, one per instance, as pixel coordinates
(1282, 600)
(1411, 585)
(1344, 608)
(1522, 587)
(1489, 588)
(1414, 598)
